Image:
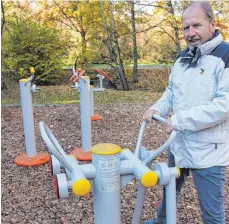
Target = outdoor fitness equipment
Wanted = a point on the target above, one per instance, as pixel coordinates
(111, 170)
(111, 83)
(85, 152)
(75, 79)
(168, 176)
(100, 84)
(31, 157)
(101, 76)
(104, 74)
(82, 85)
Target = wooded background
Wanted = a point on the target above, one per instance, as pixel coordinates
(51, 34)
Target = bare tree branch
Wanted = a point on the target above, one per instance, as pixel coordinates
(69, 19)
(3, 18)
(168, 34)
(145, 30)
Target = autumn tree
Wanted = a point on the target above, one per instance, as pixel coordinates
(221, 9)
(27, 43)
(113, 43)
(2, 17)
(81, 19)
(134, 37)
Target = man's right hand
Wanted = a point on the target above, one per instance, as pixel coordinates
(149, 113)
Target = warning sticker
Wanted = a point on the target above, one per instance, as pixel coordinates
(109, 174)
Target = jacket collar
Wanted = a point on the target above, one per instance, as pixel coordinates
(191, 56)
(210, 45)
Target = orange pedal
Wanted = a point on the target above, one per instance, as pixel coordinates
(81, 155)
(23, 160)
(96, 117)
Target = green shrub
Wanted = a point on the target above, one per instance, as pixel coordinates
(29, 44)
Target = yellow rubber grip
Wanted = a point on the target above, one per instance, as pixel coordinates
(81, 187)
(178, 171)
(149, 179)
(32, 70)
(23, 80)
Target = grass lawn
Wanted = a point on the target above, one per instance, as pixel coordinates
(67, 95)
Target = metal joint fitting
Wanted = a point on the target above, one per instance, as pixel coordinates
(163, 172)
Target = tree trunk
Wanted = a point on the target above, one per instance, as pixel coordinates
(83, 40)
(123, 80)
(109, 42)
(135, 51)
(171, 10)
(3, 18)
(83, 46)
(117, 62)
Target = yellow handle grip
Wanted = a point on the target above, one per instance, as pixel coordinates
(32, 70)
(81, 187)
(149, 179)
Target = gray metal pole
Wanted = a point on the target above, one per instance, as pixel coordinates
(107, 185)
(139, 204)
(171, 201)
(28, 122)
(92, 111)
(140, 137)
(85, 113)
(100, 81)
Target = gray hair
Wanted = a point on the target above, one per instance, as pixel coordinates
(205, 5)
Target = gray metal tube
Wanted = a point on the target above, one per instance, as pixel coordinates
(44, 128)
(100, 81)
(139, 169)
(140, 136)
(51, 143)
(77, 172)
(126, 167)
(139, 204)
(107, 190)
(171, 201)
(88, 170)
(142, 190)
(161, 149)
(85, 113)
(141, 133)
(92, 111)
(98, 89)
(28, 122)
(158, 118)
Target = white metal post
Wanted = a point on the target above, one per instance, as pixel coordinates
(171, 197)
(107, 190)
(28, 122)
(31, 157)
(84, 83)
(92, 111)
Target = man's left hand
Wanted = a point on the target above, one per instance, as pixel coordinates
(168, 126)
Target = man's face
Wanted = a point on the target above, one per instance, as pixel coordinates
(197, 28)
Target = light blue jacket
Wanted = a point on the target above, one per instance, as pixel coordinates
(199, 98)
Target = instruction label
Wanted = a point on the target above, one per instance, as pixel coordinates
(109, 174)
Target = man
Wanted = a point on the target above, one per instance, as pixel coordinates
(198, 94)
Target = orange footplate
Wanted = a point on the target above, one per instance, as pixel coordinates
(96, 117)
(81, 155)
(23, 160)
